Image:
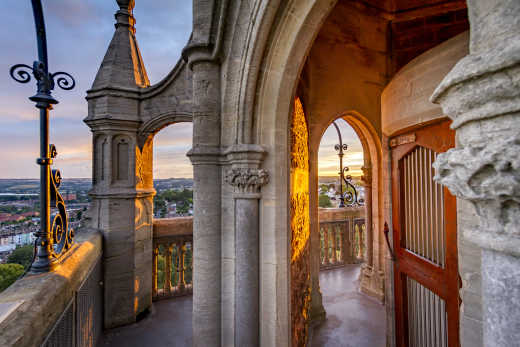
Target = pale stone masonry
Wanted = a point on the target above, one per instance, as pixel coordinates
(373, 63)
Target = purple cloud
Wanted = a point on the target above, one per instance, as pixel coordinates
(78, 34)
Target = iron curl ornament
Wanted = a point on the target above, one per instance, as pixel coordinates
(350, 196)
(62, 235)
(52, 240)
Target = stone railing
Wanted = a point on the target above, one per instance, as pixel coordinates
(172, 257)
(342, 237)
(59, 308)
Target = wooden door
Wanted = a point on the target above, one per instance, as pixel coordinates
(425, 241)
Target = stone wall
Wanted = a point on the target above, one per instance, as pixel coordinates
(405, 100)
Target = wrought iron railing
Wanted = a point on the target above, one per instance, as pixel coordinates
(54, 238)
(342, 242)
(172, 257)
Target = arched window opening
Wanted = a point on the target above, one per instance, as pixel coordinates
(173, 225)
(173, 172)
(341, 197)
(344, 240)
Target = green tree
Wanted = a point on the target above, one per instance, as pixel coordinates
(324, 187)
(324, 201)
(183, 208)
(22, 255)
(160, 205)
(9, 273)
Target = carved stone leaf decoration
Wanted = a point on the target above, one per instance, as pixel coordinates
(482, 173)
(247, 180)
(489, 177)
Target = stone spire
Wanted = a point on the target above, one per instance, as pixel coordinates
(123, 65)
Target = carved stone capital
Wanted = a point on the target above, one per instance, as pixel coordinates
(487, 175)
(481, 94)
(247, 180)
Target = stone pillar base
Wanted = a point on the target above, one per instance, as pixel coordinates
(317, 312)
(372, 282)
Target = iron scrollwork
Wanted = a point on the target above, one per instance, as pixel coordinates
(350, 196)
(53, 239)
(46, 81)
(62, 235)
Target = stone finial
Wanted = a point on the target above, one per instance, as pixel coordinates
(122, 66)
(124, 17)
(126, 5)
(247, 180)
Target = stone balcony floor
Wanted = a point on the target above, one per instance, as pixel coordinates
(168, 324)
(353, 319)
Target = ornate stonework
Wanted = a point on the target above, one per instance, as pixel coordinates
(247, 180)
(488, 175)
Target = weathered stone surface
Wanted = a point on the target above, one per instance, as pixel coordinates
(247, 180)
(44, 297)
(501, 289)
(488, 175)
(481, 95)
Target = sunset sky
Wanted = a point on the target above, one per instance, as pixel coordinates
(328, 161)
(78, 34)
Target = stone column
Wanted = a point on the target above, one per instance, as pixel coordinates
(203, 56)
(367, 183)
(370, 276)
(247, 183)
(207, 182)
(122, 192)
(482, 97)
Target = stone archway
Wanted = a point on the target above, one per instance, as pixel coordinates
(297, 27)
(155, 124)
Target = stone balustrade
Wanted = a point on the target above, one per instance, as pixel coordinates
(172, 257)
(342, 237)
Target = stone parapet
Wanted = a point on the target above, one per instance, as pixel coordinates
(31, 306)
(336, 214)
(170, 227)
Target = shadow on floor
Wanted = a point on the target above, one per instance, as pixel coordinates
(353, 318)
(169, 324)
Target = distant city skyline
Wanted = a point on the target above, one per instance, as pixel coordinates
(163, 28)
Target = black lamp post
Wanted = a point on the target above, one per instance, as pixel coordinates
(350, 195)
(52, 240)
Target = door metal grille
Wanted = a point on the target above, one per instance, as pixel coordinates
(427, 317)
(423, 207)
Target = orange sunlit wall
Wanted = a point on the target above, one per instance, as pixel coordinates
(300, 227)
